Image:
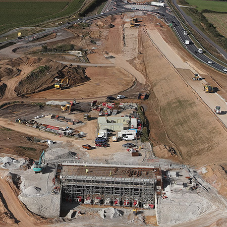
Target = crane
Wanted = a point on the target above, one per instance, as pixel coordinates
(38, 165)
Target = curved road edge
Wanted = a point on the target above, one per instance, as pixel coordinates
(190, 22)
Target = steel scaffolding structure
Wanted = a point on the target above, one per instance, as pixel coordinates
(131, 191)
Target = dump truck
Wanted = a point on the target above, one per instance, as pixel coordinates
(208, 88)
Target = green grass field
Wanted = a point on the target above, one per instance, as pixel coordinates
(216, 6)
(219, 20)
(15, 14)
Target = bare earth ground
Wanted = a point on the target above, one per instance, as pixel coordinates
(177, 115)
(104, 81)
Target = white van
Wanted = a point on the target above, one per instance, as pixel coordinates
(128, 137)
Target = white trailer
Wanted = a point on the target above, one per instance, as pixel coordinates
(162, 4)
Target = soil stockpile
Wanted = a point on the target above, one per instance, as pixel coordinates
(44, 77)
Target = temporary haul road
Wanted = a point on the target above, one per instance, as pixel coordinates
(14, 205)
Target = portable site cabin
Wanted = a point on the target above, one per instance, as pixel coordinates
(114, 123)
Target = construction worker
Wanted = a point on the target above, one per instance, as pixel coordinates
(86, 170)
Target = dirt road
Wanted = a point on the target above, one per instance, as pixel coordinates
(206, 220)
(31, 131)
(121, 62)
(15, 207)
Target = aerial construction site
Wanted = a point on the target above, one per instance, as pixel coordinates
(112, 122)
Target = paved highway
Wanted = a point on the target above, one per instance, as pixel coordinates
(191, 47)
(180, 31)
(190, 22)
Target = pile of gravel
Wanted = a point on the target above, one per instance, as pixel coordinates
(32, 190)
(56, 103)
(68, 155)
(110, 213)
(7, 159)
(11, 163)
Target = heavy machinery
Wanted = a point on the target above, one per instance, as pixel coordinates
(63, 84)
(68, 106)
(196, 77)
(217, 110)
(39, 165)
(208, 88)
(134, 22)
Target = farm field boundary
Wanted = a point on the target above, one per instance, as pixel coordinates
(219, 20)
(217, 6)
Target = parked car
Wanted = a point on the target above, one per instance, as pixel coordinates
(101, 144)
(120, 97)
(110, 98)
(225, 69)
(210, 62)
(100, 140)
(128, 137)
(87, 146)
(129, 145)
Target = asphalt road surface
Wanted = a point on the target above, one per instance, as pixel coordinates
(190, 22)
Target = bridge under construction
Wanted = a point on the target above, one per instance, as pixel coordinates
(111, 185)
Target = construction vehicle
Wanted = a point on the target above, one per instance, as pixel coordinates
(87, 117)
(63, 84)
(68, 106)
(39, 165)
(134, 22)
(208, 88)
(55, 190)
(196, 77)
(217, 110)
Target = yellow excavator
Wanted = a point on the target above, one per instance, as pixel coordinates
(64, 83)
(66, 107)
(69, 106)
(208, 88)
